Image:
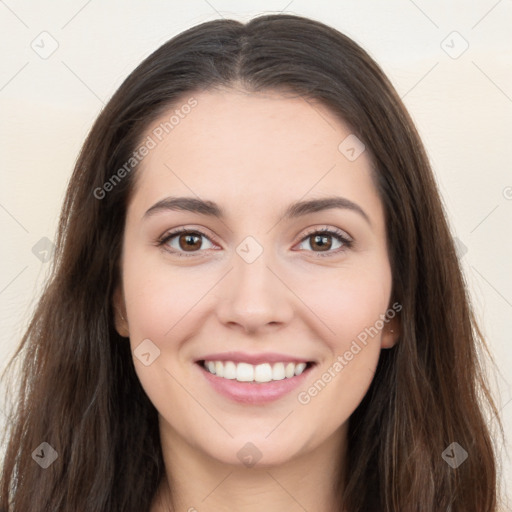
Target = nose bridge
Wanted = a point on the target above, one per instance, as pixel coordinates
(253, 295)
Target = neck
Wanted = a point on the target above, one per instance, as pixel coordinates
(196, 482)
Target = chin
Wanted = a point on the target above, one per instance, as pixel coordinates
(253, 452)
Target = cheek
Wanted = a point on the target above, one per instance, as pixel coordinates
(338, 389)
(166, 305)
(149, 307)
(351, 307)
(349, 301)
(158, 296)
(160, 306)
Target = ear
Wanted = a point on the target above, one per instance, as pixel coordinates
(391, 332)
(120, 322)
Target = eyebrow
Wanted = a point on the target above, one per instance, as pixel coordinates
(294, 210)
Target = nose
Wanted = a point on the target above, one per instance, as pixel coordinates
(254, 297)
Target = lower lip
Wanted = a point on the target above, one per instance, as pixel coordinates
(254, 392)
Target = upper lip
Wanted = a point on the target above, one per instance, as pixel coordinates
(264, 357)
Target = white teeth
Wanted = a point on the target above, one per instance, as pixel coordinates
(299, 368)
(229, 370)
(289, 371)
(244, 372)
(278, 371)
(263, 373)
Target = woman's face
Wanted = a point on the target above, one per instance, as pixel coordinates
(251, 281)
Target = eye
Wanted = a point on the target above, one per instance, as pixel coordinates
(321, 239)
(186, 241)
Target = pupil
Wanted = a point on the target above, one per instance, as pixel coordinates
(320, 240)
(189, 241)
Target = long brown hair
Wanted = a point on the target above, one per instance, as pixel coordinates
(78, 389)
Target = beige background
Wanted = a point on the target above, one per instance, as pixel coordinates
(460, 99)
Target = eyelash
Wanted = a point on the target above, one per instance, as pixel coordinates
(335, 233)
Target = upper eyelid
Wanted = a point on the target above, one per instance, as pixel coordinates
(330, 230)
(178, 231)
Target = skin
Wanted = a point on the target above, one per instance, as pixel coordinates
(253, 154)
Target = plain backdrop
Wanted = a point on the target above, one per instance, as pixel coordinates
(449, 61)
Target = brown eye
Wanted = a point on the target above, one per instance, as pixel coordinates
(321, 241)
(189, 242)
(185, 241)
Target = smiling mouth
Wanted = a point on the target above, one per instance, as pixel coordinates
(258, 374)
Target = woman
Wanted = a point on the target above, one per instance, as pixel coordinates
(193, 349)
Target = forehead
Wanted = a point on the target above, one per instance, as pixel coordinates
(250, 150)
